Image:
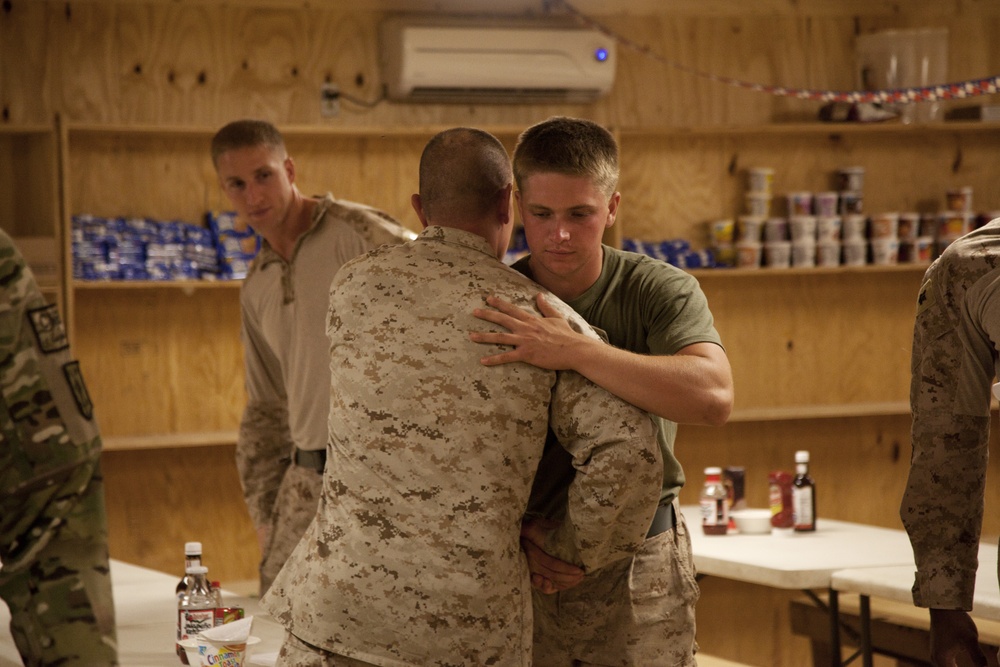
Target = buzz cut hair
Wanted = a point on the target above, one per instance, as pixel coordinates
(569, 146)
(246, 133)
(462, 172)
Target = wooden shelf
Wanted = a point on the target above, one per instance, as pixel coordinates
(288, 131)
(374, 131)
(813, 128)
(832, 270)
(164, 441)
(186, 286)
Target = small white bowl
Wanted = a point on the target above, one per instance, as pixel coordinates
(752, 521)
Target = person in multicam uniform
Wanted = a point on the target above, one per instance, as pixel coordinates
(281, 447)
(54, 571)
(414, 557)
(956, 337)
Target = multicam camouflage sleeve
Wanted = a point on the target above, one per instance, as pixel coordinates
(55, 573)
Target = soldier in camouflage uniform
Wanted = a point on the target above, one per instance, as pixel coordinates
(281, 449)
(413, 558)
(954, 362)
(53, 527)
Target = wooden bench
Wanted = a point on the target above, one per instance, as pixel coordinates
(898, 630)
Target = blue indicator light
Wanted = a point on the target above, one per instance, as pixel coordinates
(601, 54)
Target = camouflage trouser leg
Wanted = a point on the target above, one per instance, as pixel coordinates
(631, 613)
(294, 509)
(62, 611)
(297, 653)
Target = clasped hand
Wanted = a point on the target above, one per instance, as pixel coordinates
(548, 573)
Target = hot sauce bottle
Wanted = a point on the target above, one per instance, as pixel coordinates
(803, 495)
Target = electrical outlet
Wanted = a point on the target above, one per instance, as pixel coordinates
(329, 100)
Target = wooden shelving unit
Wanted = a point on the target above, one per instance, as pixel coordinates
(29, 201)
(165, 362)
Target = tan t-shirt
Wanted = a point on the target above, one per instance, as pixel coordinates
(283, 306)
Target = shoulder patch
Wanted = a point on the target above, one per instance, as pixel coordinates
(80, 394)
(48, 328)
(925, 299)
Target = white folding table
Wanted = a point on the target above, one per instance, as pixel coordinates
(146, 618)
(895, 583)
(799, 561)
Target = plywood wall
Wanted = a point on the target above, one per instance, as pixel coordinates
(804, 340)
(205, 63)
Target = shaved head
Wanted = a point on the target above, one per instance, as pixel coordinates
(462, 173)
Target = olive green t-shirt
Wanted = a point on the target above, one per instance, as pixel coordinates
(642, 305)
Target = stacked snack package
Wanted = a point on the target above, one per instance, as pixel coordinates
(141, 249)
(236, 242)
(673, 251)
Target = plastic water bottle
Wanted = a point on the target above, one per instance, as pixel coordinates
(195, 608)
(192, 556)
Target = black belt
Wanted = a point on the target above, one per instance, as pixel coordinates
(314, 459)
(664, 519)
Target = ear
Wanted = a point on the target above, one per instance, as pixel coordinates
(505, 212)
(418, 207)
(290, 169)
(613, 203)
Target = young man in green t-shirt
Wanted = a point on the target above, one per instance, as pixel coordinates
(665, 357)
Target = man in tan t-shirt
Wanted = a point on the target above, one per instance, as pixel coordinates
(281, 450)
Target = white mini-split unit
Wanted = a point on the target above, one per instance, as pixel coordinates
(426, 61)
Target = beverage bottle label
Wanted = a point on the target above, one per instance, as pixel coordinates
(194, 621)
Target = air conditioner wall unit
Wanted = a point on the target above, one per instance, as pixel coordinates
(496, 62)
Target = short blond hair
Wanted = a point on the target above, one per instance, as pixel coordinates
(246, 133)
(570, 146)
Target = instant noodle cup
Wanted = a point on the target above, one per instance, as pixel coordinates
(803, 254)
(855, 253)
(851, 178)
(828, 228)
(854, 227)
(952, 224)
(758, 204)
(802, 228)
(909, 226)
(721, 231)
(885, 251)
(226, 645)
(884, 226)
(851, 201)
(923, 249)
(825, 203)
(799, 203)
(759, 179)
(828, 253)
(748, 255)
(775, 229)
(749, 229)
(959, 199)
(777, 254)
